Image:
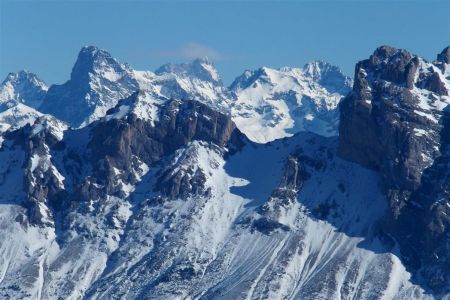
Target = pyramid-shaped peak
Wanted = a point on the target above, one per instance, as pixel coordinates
(92, 59)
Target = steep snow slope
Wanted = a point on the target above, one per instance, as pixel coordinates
(322, 247)
(272, 104)
(206, 221)
(14, 115)
(62, 169)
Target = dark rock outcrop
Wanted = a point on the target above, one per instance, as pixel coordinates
(384, 125)
(118, 147)
(101, 159)
(116, 143)
(393, 122)
(444, 56)
(42, 184)
(282, 198)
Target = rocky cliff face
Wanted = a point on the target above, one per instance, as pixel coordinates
(113, 145)
(396, 121)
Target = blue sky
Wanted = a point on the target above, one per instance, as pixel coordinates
(45, 36)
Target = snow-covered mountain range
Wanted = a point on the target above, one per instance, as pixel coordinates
(296, 183)
(266, 104)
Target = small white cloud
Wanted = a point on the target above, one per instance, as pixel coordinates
(194, 50)
(188, 51)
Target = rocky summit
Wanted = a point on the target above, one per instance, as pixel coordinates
(292, 183)
(396, 121)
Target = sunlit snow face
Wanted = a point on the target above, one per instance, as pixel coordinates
(277, 103)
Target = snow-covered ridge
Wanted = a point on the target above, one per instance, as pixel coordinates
(143, 104)
(14, 115)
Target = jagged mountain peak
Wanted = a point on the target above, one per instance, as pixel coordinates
(93, 60)
(444, 56)
(317, 67)
(202, 60)
(23, 75)
(93, 50)
(264, 75)
(443, 62)
(97, 82)
(329, 76)
(387, 53)
(23, 86)
(274, 103)
(201, 68)
(400, 67)
(247, 78)
(390, 55)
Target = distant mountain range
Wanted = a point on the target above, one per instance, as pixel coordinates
(266, 104)
(291, 183)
